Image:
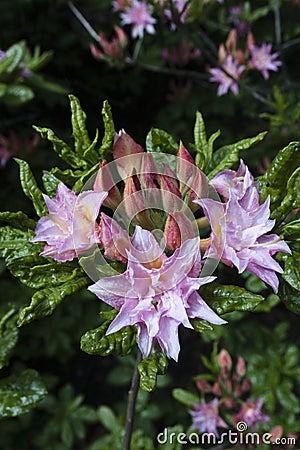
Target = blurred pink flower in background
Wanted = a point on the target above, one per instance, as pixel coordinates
(263, 60)
(205, 417)
(139, 16)
(225, 82)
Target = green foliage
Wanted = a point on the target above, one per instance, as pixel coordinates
(44, 301)
(159, 141)
(96, 342)
(150, 367)
(17, 77)
(203, 147)
(225, 157)
(19, 394)
(281, 182)
(109, 131)
(185, 397)
(225, 299)
(9, 335)
(68, 419)
(286, 113)
(30, 188)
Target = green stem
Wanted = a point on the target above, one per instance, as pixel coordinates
(132, 396)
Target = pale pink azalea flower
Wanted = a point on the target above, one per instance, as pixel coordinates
(139, 16)
(237, 182)
(242, 240)
(206, 417)
(251, 414)
(157, 293)
(70, 228)
(263, 60)
(225, 82)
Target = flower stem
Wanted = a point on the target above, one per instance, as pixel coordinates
(132, 396)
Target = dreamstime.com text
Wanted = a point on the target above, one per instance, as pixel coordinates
(231, 437)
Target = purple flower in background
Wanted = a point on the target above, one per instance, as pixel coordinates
(2, 55)
(70, 228)
(239, 236)
(206, 417)
(157, 293)
(235, 13)
(139, 16)
(225, 82)
(251, 414)
(263, 60)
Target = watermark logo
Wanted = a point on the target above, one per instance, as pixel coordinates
(240, 436)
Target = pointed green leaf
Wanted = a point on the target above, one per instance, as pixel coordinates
(9, 334)
(46, 300)
(14, 242)
(225, 157)
(201, 325)
(203, 147)
(292, 198)
(16, 94)
(291, 272)
(289, 296)
(19, 394)
(30, 188)
(291, 230)
(80, 133)
(274, 181)
(150, 367)
(14, 55)
(62, 149)
(50, 183)
(185, 397)
(109, 131)
(90, 153)
(225, 299)
(107, 418)
(159, 141)
(95, 342)
(37, 273)
(38, 61)
(18, 220)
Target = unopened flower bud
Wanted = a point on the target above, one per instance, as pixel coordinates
(104, 182)
(240, 367)
(224, 360)
(113, 238)
(203, 386)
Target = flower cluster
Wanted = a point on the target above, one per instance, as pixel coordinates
(242, 242)
(160, 263)
(233, 62)
(232, 401)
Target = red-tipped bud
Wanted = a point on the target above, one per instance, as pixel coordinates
(231, 41)
(246, 386)
(113, 238)
(134, 202)
(224, 360)
(104, 182)
(178, 228)
(124, 145)
(240, 367)
(216, 389)
(170, 194)
(276, 433)
(222, 53)
(238, 390)
(229, 403)
(186, 169)
(250, 42)
(203, 386)
(113, 51)
(172, 233)
(239, 56)
(228, 385)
